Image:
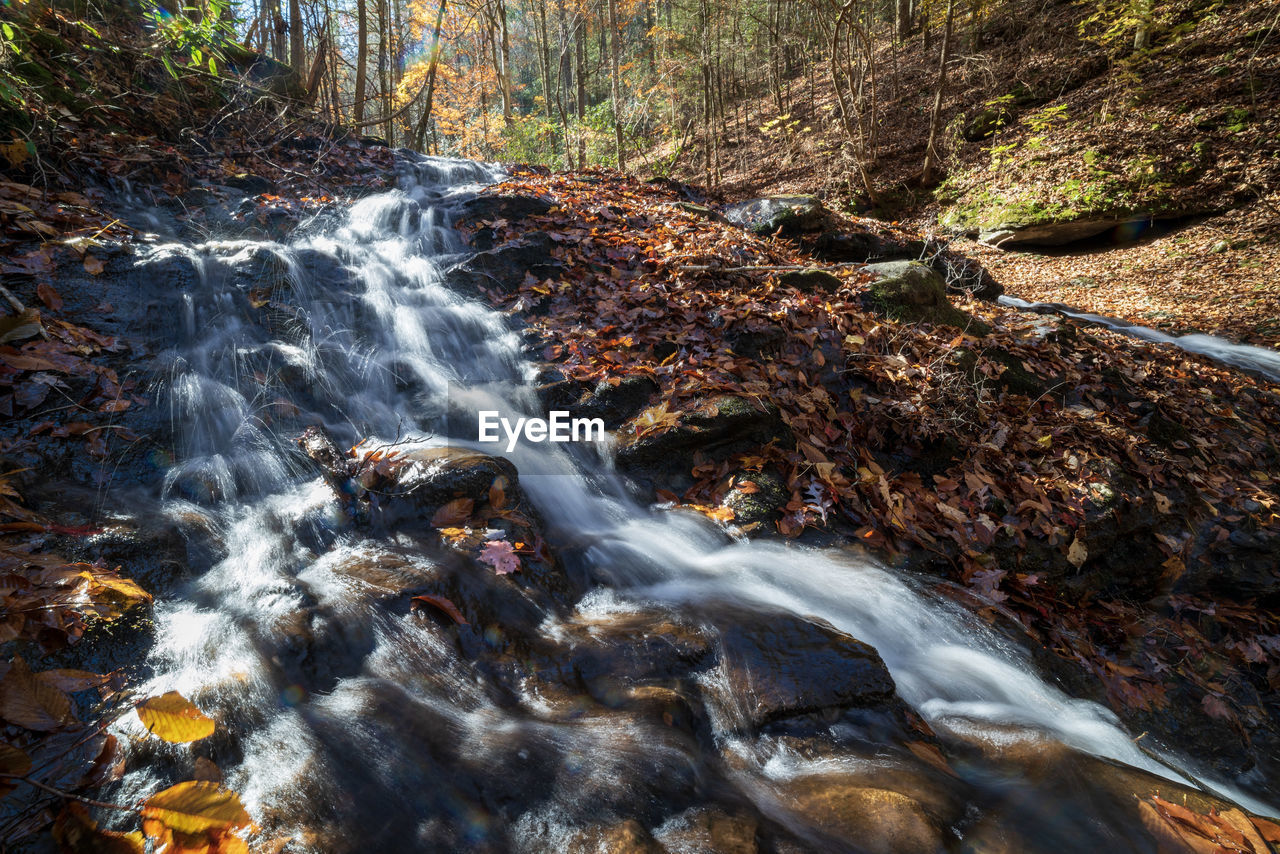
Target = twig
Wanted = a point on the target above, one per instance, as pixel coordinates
(51, 790)
(12, 300)
(697, 268)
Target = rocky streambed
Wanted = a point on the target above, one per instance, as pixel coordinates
(421, 642)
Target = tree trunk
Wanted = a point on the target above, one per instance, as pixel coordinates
(504, 51)
(935, 119)
(614, 52)
(384, 68)
(1142, 38)
(362, 57)
(580, 77)
(420, 134)
(297, 55)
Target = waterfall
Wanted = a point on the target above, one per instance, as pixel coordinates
(346, 722)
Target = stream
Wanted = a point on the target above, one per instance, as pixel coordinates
(676, 690)
(1264, 361)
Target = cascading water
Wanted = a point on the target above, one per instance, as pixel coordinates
(347, 724)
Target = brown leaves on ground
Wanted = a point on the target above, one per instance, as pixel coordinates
(47, 600)
(982, 458)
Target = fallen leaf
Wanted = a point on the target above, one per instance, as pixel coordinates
(13, 763)
(453, 514)
(49, 296)
(196, 807)
(30, 703)
(174, 718)
(93, 265)
(1077, 553)
(78, 833)
(500, 555)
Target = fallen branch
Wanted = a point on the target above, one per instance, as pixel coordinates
(776, 268)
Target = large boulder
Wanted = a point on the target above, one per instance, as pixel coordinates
(1052, 233)
(723, 426)
(780, 666)
(788, 216)
(912, 292)
(504, 268)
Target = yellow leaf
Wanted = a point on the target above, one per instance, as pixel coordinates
(174, 718)
(1077, 553)
(196, 808)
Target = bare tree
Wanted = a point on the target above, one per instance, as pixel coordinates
(935, 119)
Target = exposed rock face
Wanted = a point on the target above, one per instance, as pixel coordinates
(788, 216)
(503, 268)
(725, 425)
(1009, 234)
(912, 292)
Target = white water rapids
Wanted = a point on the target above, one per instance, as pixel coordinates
(387, 745)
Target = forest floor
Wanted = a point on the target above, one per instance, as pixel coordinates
(1188, 130)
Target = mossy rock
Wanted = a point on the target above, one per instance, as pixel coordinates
(765, 504)
(912, 292)
(810, 280)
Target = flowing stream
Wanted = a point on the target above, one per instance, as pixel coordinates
(1260, 360)
(349, 723)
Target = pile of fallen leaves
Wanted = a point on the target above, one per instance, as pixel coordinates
(915, 439)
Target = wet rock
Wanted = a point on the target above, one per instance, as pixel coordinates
(484, 210)
(404, 492)
(721, 425)
(912, 292)
(254, 185)
(811, 280)
(609, 657)
(864, 818)
(491, 207)
(615, 402)
(1244, 565)
(758, 339)
(627, 837)
(762, 503)
(713, 831)
(780, 666)
(788, 216)
(504, 268)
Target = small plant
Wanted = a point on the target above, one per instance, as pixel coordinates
(193, 36)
